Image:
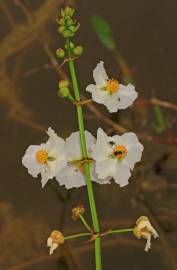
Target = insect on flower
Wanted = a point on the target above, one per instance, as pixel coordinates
(116, 156)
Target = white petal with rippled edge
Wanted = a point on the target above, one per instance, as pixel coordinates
(55, 147)
(126, 95)
(101, 150)
(107, 165)
(118, 100)
(99, 74)
(121, 174)
(71, 176)
(73, 146)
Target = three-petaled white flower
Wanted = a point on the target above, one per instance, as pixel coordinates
(145, 230)
(48, 158)
(114, 95)
(73, 174)
(116, 156)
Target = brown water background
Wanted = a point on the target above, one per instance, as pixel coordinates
(145, 34)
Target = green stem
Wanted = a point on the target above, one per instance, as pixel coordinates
(90, 233)
(77, 235)
(86, 165)
(121, 231)
(85, 223)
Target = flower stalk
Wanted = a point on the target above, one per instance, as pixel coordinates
(86, 225)
(95, 221)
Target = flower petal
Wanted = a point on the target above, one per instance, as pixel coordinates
(126, 96)
(95, 177)
(101, 149)
(71, 177)
(29, 159)
(111, 102)
(121, 174)
(98, 95)
(99, 74)
(106, 168)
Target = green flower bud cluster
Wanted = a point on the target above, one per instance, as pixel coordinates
(75, 50)
(63, 89)
(68, 26)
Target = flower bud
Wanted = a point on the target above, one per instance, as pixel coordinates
(71, 45)
(69, 11)
(63, 84)
(78, 50)
(69, 22)
(77, 211)
(62, 21)
(66, 33)
(55, 239)
(60, 53)
(61, 29)
(73, 28)
(62, 13)
(63, 92)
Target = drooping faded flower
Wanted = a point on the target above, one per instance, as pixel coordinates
(73, 174)
(145, 230)
(114, 95)
(77, 211)
(55, 239)
(47, 159)
(116, 156)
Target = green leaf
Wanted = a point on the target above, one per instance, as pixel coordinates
(160, 120)
(103, 31)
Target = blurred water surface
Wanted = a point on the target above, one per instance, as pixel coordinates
(145, 33)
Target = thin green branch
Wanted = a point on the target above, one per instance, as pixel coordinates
(120, 231)
(85, 223)
(76, 236)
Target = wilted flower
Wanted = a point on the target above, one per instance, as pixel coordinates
(47, 158)
(116, 156)
(144, 229)
(72, 175)
(77, 211)
(110, 92)
(56, 239)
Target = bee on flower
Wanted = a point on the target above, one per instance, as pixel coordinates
(47, 159)
(116, 156)
(114, 95)
(55, 239)
(73, 174)
(145, 230)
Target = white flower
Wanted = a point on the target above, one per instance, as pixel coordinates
(56, 239)
(144, 229)
(114, 95)
(47, 158)
(72, 175)
(116, 156)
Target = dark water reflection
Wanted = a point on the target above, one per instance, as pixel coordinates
(145, 32)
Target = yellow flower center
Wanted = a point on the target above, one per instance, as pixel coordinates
(120, 152)
(112, 86)
(41, 156)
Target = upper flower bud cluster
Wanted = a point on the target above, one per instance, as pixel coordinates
(68, 26)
